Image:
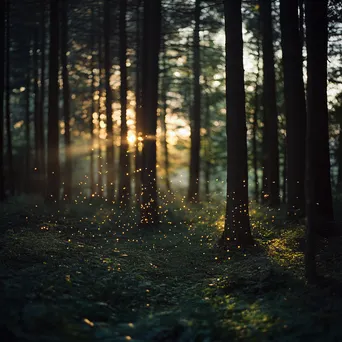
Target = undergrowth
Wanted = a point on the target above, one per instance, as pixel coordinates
(85, 272)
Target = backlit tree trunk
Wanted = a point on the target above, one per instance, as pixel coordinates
(124, 165)
(150, 71)
(2, 91)
(195, 113)
(271, 152)
(237, 227)
(318, 188)
(66, 102)
(109, 100)
(10, 172)
(53, 170)
(295, 107)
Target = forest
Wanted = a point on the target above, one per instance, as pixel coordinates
(170, 170)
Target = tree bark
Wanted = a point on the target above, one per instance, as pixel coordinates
(271, 152)
(27, 128)
(195, 119)
(92, 109)
(163, 125)
(66, 103)
(255, 126)
(124, 191)
(2, 91)
(207, 165)
(138, 118)
(109, 100)
(100, 158)
(53, 170)
(41, 119)
(237, 226)
(150, 71)
(319, 209)
(295, 107)
(8, 104)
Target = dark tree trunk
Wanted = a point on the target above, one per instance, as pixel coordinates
(163, 126)
(256, 110)
(237, 227)
(285, 167)
(92, 110)
(271, 152)
(100, 158)
(2, 91)
(151, 46)
(138, 118)
(109, 100)
(53, 169)
(27, 128)
(41, 119)
(7, 104)
(124, 191)
(295, 109)
(339, 153)
(207, 165)
(318, 188)
(37, 169)
(195, 119)
(66, 103)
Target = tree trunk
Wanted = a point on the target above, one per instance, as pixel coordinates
(271, 152)
(295, 107)
(37, 170)
(207, 165)
(163, 125)
(100, 158)
(92, 110)
(339, 153)
(237, 227)
(53, 115)
(109, 100)
(255, 126)
(319, 207)
(195, 120)
(7, 104)
(2, 91)
(41, 119)
(124, 191)
(66, 103)
(27, 128)
(151, 46)
(138, 118)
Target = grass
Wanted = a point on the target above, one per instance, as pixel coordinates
(86, 273)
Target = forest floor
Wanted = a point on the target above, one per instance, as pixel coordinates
(86, 273)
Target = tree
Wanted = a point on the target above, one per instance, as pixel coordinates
(150, 70)
(53, 170)
(27, 127)
(2, 90)
(195, 114)
(41, 120)
(8, 103)
(138, 117)
(66, 102)
(92, 108)
(294, 106)
(256, 110)
(318, 188)
(124, 164)
(270, 144)
(237, 226)
(109, 100)
(163, 113)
